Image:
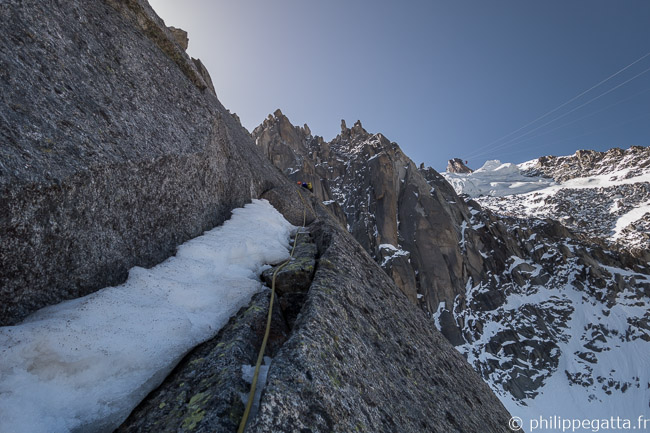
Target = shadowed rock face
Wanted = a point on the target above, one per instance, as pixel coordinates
(296, 276)
(107, 161)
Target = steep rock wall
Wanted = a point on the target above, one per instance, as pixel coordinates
(408, 219)
(107, 161)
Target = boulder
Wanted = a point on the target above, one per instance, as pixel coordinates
(296, 275)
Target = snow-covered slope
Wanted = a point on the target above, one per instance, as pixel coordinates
(84, 364)
(564, 339)
(630, 162)
(604, 195)
(570, 336)
(496, 179)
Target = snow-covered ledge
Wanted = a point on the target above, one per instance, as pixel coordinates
(86, 363)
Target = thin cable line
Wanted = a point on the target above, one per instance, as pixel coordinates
(505, 144)
(595, 131)
(567, 124)
(565, 103)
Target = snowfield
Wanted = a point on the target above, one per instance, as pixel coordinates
(612, 203)
(84, 364)
(588, 357)
(496, 179)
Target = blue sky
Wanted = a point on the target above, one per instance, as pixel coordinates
(443, 79)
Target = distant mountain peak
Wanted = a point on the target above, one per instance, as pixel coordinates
(527, 301)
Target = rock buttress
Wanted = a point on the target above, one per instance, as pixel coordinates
(409, 220)
(114, 149)
(363, 358)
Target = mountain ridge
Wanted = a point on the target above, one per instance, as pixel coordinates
(492, 303)
(604, 196)
(114, 154)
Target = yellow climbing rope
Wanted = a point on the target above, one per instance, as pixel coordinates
(260, 356)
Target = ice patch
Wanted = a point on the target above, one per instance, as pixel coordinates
(248, 371)
(396, 252)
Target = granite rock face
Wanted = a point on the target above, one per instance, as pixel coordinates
(296, 275)
(181, 37)
(289, 148)
(359, 356)
(107, 161)
(409, 220)
(362, 357)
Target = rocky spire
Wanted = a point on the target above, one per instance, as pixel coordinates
(385, 202)
(180, 36)
(456, 165)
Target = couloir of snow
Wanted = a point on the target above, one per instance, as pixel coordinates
(629, 217)
(84, 364)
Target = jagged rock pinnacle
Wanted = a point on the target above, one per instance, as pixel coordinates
(180, 36)
(456, 165)
(357, 129)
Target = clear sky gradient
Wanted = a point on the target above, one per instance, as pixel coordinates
(443, 79)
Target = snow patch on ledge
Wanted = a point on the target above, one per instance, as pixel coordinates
(84, 364)
(630, 217)
(396, 252)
